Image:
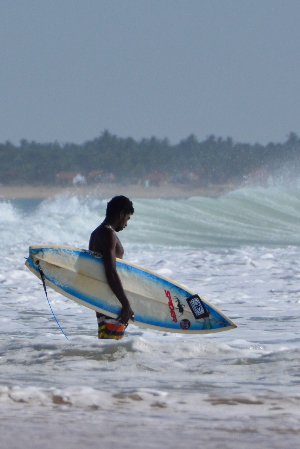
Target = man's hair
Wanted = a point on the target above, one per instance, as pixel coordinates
(118, 204)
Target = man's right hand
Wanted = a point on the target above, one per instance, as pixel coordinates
(126, 314)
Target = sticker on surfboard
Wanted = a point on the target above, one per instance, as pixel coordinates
(197, 307)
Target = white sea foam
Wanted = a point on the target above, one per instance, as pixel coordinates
(237, 388)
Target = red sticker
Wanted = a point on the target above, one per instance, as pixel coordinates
(171, 306)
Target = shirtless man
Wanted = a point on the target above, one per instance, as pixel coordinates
(104, 240)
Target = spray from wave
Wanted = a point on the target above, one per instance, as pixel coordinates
(269, 217)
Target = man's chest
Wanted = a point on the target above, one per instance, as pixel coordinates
(119, 249)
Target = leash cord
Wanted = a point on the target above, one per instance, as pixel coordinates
(44, 285)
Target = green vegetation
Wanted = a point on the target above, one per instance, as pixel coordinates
(212, 161)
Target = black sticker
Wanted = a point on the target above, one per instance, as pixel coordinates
(197, 307)
(179, 305)
(185, 324)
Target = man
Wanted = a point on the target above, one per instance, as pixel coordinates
(104, 240)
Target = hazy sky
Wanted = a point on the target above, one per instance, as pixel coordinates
(69, 69)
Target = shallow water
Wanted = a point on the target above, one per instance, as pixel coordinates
(236, 389)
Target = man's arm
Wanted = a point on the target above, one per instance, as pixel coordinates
(113, 279)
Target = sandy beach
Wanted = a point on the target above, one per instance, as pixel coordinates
(110, 190)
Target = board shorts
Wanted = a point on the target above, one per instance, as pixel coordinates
(109, 327)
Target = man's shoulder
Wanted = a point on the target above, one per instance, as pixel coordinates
(102, 239)
(101, 228)
(104, 232)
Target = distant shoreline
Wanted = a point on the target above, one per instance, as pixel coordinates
(110, 190)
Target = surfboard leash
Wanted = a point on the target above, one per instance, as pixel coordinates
(45, 289)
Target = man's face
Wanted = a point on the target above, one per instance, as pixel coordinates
(123, 221)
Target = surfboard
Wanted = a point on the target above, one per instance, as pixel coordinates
(158, 302)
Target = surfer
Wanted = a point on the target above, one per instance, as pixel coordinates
(104, 240)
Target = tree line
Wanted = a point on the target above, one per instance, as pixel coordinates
(211, 161)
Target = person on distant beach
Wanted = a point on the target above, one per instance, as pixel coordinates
(104, 240)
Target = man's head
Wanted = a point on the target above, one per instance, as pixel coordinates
(119, 209)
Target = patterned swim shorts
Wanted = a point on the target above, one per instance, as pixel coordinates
(109, 327)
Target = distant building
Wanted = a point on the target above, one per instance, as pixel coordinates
(258, 177)
(185, 177)
(96, 176)
(79, 179)
(154, 179)
(70, 178)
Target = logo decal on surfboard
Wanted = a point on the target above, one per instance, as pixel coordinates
(185, 324)
(197, 307)
(171, 306)
(180, 306)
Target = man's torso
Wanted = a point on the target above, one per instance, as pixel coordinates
(98, 237)
(107, 326)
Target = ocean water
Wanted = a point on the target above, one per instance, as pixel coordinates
(235, 389)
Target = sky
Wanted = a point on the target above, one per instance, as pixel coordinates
(167, 68)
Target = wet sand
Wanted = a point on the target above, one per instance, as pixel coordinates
(110, 190)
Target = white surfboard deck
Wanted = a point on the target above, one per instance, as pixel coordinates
(158, 302)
